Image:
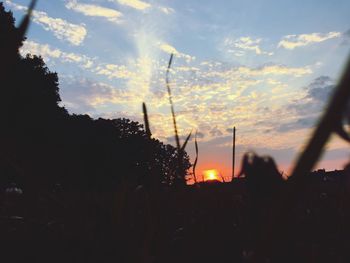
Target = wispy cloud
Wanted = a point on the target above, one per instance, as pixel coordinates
(294, 41)
(131, 74)
(347, 33)
(275, 70)
(239, 46)
(136, 4)
(167, 48)
(266, 70)
(62, 29)
(166, 10)
(305, 110)
(95, 10)
(48, 53)
(114, 71)
(83, 95)
(196, 85)
(207, 95)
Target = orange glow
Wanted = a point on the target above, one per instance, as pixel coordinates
(210, 175)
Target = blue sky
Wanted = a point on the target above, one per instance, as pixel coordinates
(266, 67)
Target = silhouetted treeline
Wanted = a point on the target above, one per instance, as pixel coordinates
(50, 147)
(76, 189)
(67, 181)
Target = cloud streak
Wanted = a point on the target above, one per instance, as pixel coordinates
(136, 4)
(62, 29)
(207, 95)
(48, 53)
(239, 46)
(295, 41)
(94, 11)
(83, 95)
(167, 48)
(166, 10)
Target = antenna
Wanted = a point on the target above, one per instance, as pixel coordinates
(233, 151)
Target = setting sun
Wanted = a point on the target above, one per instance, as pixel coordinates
(211, 175)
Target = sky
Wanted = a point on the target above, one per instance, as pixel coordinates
(266, 67)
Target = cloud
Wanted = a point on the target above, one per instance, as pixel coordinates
(130, 75)
(83, 95)
(48, 53)
(167, 48)
(95, 11)
(306, 109)
(301, 123)
(62, 29)
(321, 88)
(275, 70)
(114, 71)
(213, 94)
(136, 4)
(215, 132)
(166, 10)
(346, 38)
(262, 71)
(294, 41)
(200, 135)
(347, 33)
(209, 97)
(239, 46)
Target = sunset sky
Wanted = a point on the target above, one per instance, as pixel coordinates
(266, 67)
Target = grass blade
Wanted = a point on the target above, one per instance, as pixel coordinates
(196, 160)
(342, 133)
(146, 120)
(186, 141)
(24, 25)
(329, 122)
(177, 139)
(222, 178)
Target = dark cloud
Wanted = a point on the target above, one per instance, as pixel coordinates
(318, 93)
(217, 108)
(229, 130)
(78, 94)
(309, 108)
(215, 132)
(200, 135)
(347, 33)
(320, 89)
(301, 123)
(346, 38)
(220, 140)
(266, 123)
(264, 109)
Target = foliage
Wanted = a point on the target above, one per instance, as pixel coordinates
(75, 151)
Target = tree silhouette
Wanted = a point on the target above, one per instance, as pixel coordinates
(9, 33)
(86, 153)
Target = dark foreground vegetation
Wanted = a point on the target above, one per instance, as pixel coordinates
(75, 189)
(210, 222)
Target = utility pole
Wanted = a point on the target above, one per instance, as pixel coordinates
(233, 152)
